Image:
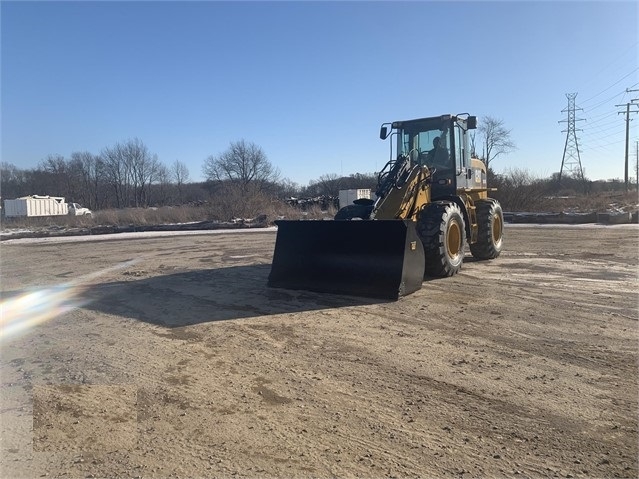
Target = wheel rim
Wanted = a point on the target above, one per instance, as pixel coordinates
(453, 239)
(497, 227)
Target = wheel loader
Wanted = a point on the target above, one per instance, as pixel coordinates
(431, 200)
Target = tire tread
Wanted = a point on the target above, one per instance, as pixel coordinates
(485, 247)
(431, 228)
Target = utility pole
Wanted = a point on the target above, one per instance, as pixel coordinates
(627, 112)
(637, 164)
(571, 159)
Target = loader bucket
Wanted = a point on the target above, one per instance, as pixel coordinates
(370, 258)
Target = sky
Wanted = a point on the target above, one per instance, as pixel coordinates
(311, 82)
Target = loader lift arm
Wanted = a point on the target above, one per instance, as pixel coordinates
(401, 190)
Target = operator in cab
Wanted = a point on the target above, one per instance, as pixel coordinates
(438, 156)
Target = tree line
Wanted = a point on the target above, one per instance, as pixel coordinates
(125, 174)
(128, 174)
(239, 179)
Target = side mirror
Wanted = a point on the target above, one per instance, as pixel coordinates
(383, 133)
(471, 122)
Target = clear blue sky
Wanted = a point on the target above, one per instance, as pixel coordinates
(311, 82)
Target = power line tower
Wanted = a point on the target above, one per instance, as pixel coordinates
(571, 160)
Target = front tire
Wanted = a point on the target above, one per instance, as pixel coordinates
(490, 233)
(440, 226)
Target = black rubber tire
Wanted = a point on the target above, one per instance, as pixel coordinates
(490, 230)
(354, 211)
(440, 226)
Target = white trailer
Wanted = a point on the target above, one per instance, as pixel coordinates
(347, 197)
(36, 206)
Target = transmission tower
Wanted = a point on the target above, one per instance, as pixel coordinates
(571, 160)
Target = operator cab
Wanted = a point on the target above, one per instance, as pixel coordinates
(441, 144)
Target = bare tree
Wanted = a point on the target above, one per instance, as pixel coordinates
(327, 185)
(88, 170)
(142, 166)
(130, 169)
(473, 151)
(180, 174)
(162, 179)
(56, 176)
(117, 175)
(285, 188)
(243, 163)
(359, 180)
(519, 189)
(495, 137)
(12, 181)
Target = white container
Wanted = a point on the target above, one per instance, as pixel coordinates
(36, 206)
(347, 197)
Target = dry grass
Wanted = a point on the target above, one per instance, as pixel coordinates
(150, 216)
(595, 203)
(522, 198)
(271, 209)
(520, 190)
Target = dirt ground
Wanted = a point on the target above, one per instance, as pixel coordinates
(170, 357)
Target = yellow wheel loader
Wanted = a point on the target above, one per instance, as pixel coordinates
(431, 200)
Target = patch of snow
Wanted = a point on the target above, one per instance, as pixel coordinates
(14, 231)
(135, 235)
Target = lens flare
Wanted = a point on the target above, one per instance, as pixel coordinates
(21, 314)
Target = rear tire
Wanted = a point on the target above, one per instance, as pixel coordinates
(490, 234)
(350, 212)
(440, 226)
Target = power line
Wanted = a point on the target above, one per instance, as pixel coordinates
(607, 67)
(615, 83)
(622, 93)
(603, 123)
(602, 116)
(605, 146)
(599, 129)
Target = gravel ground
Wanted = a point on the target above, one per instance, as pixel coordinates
(168, 356)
